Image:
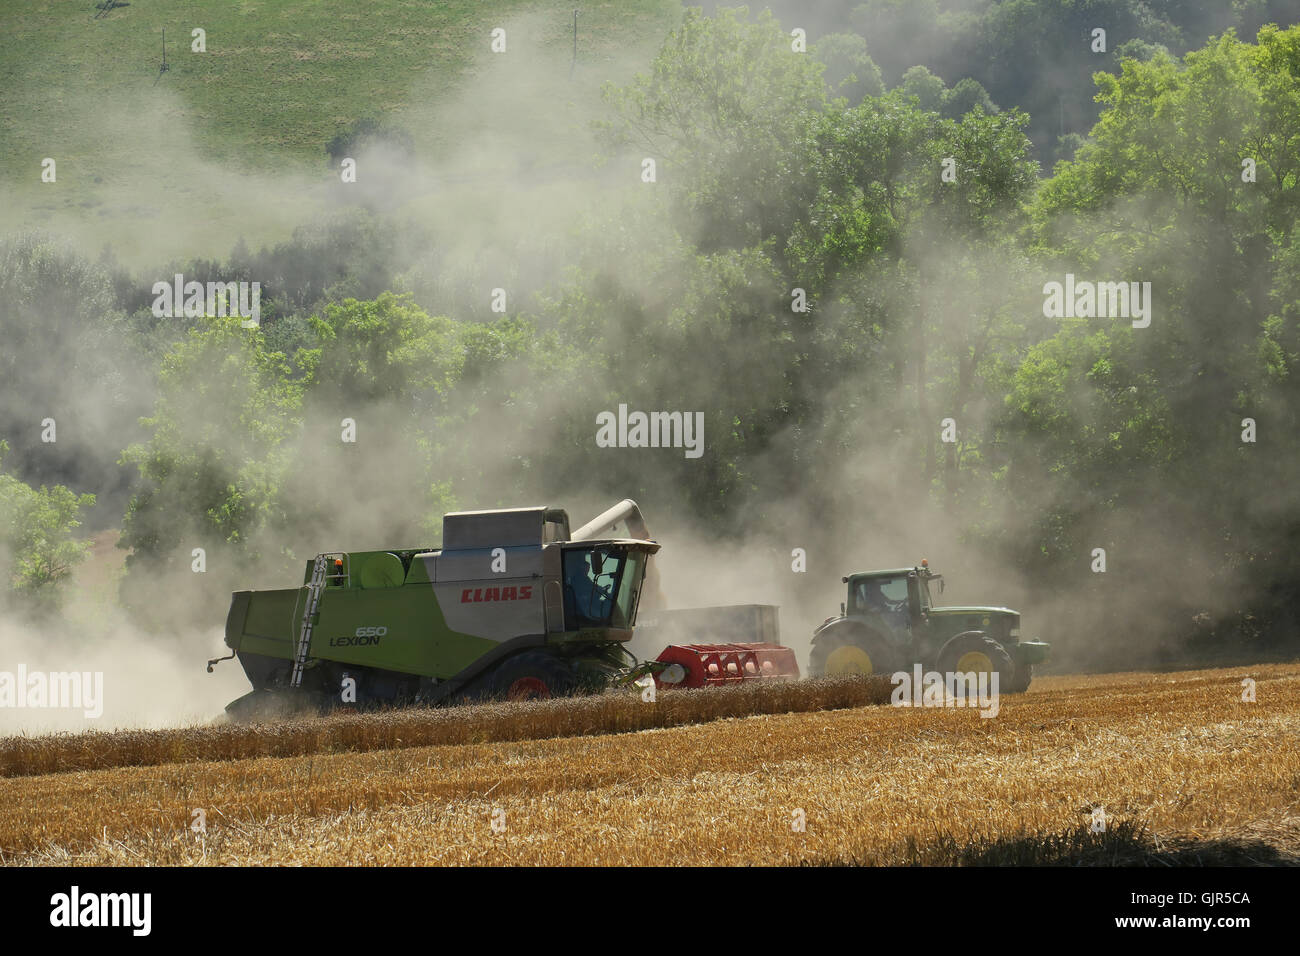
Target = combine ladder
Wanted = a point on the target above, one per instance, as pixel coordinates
(314, 589)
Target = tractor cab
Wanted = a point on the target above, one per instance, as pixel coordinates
(897, 600)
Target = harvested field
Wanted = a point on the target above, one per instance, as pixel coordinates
(1181, 768)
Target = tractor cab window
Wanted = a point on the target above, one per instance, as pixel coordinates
(601, 586)
(883, 595)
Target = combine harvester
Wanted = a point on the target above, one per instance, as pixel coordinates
(513, 606)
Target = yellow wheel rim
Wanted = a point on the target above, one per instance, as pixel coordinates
(975, 662)
(849, 659)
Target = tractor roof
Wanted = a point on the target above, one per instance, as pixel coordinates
(896, 572)
(973, 609)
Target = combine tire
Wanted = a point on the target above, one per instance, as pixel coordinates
(840, 651)
(533, 676)
(259, 706)
(976, 651)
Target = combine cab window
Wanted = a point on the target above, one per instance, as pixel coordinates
(601, 586)
(629, 590)
(590, 584)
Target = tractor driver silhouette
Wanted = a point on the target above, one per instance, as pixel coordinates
(873, 596)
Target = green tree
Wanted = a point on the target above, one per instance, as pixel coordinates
(211, 468)
(38, 549)
(928, 89)
(879, 170)
(850, 71)
(966, 95)
(383, 349)
(724, 111)
(389, 368)
(1162, 192)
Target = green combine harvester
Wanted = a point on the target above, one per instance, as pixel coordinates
(513, 606)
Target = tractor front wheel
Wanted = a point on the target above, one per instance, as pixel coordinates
(976, 652)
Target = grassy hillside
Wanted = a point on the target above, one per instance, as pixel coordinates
(214, 138)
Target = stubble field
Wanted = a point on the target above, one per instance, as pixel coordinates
(1139, 768)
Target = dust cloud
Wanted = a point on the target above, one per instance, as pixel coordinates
(503, 204)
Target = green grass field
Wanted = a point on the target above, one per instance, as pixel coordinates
(231, 141)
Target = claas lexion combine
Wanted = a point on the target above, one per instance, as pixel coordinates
(514, 605)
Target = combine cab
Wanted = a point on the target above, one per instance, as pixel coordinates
(891, 622)
(512, 606)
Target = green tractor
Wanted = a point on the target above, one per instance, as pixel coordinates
(890, 622)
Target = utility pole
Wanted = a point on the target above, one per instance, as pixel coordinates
(163, 68)
(575, 44)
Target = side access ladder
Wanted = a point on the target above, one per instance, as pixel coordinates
(314, 588)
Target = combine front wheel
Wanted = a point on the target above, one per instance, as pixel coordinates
(533, 676)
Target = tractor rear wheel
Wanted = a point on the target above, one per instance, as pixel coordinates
(1020, 683)
(533, 675)
(840, 651)
(976, 652)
